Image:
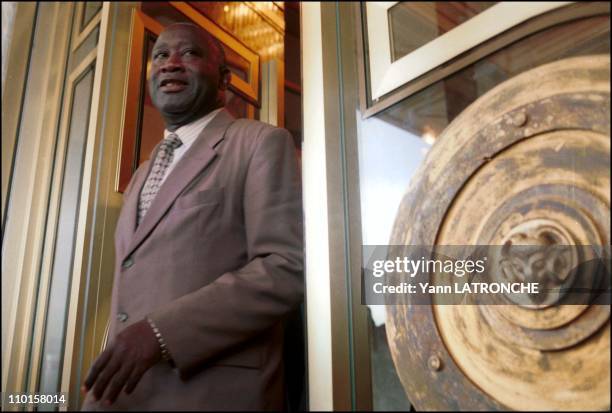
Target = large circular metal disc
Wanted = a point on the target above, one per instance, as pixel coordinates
(530, 157)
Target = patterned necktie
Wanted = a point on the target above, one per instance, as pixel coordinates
(163, 159)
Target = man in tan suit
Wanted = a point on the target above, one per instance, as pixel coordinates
(208, 250)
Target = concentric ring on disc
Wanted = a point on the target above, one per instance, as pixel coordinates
(451, 196)
(496, 349)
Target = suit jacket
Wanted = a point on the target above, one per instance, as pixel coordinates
(216, 263)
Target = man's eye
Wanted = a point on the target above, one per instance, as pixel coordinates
(189, 52)
(160, 55)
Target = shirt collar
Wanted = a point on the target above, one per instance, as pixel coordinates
(189, 132)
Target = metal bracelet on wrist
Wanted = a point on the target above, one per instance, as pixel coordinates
(165, 354)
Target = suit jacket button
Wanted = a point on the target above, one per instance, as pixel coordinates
(127, 263)
(122, 317)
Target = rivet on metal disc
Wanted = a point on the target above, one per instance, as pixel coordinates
(520, 119)
(435, 364)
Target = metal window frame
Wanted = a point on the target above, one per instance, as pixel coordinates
(337, 330)
(389, 82)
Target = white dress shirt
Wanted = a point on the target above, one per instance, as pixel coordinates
(187, 134)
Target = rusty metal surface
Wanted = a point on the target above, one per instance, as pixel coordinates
(529, 160)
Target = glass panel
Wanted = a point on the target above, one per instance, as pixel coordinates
(393, 144)
(91, 9)
(387, 391)
(55, 327)
(249, 23)
(84, 49)
(428, 112)
(389, 153)
(413, 24)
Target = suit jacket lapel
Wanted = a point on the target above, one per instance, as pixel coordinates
(198, 156)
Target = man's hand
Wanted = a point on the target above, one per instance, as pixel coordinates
(122, 364)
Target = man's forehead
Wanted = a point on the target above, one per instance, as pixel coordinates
(180, 34)
(188, 33)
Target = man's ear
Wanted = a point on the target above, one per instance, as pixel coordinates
(225, 78)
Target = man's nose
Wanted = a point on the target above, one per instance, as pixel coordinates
(173, 63)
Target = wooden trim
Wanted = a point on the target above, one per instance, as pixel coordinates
(244, 89)
(140, 23)
(531, 26)
(272, 19)
(295, 5)
(249, 90)
(294, 87)
(250, 112)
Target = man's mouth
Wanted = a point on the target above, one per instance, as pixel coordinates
(172, 85)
